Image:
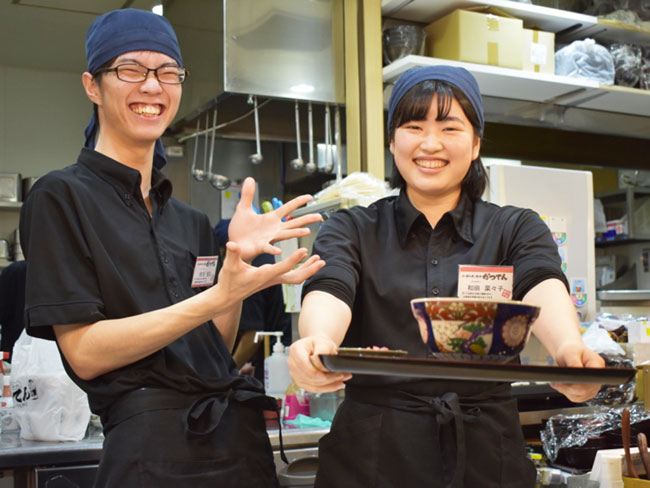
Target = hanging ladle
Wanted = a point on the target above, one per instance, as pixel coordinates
(337, 139)
(199, 174)
(310, 167)
(328, 141)
(220, 182)
(298, 163)
(256, 158)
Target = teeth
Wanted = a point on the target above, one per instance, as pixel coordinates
(427, 163)
(147, 110)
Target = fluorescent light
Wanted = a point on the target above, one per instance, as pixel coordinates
(157, 9)
(303, 88)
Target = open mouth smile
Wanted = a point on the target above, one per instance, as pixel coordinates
(430, 163)
(144, 110)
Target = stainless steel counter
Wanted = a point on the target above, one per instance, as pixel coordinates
(19, 453)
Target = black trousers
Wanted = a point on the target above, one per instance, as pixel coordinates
(153, 449)
(387, 440)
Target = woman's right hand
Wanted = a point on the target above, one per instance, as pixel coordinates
(307, 369)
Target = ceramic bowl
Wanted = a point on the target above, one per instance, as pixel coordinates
(459, 329)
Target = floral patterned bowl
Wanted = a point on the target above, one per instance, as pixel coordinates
(455, 328)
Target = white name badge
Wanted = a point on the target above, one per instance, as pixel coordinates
(205, 270)
(485, 282)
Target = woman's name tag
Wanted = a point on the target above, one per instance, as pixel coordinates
(485, 282)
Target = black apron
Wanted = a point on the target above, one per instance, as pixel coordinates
(383, 437)
(161, 438)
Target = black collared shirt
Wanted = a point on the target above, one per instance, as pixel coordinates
(94, 252)
(379, 258)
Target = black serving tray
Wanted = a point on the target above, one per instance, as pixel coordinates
(472, 370)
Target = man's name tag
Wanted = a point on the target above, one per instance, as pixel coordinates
(205, 270)
(485, 282)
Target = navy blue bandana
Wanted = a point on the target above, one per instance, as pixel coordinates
(122, 31)
(458, 77)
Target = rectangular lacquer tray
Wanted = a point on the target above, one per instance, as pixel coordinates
(472, 370)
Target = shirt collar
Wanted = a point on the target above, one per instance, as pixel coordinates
(406, 215)
(123, 178)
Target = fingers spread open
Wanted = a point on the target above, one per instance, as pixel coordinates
(293, 204)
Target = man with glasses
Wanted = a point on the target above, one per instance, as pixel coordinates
(121, 275)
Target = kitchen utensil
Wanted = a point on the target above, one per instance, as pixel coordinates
(328, 140)
(298, 163)
(643, 450)
(213, 132)
(256, 158)
(310, 167)
(625, 434)
(471, 370)
(337, 139)
(198, 174)
(220, 182)
(457, 328)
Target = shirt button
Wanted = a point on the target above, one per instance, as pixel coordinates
(176, 294)
(435, 290)
(127, 196)
(434, 262)
(165, 260)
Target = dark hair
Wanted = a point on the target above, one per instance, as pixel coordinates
(97, 76)
(415, 105)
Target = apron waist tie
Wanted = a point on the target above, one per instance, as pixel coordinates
(446, 408)
(203, 414)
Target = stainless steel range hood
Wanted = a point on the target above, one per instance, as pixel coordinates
(285, 49)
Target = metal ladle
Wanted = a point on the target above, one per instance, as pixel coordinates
(328, 141)
(199, 174)
(256, 158)
(337, 140)
(213, 131)
(298, 163)
(220, 182)
(310, 167)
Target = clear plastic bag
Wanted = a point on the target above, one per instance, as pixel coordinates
(564, 431)
(48, 405)
(627, 63)
(361, 187)
(585, 59)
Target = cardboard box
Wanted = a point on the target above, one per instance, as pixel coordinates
(477, 37)
(539, 51)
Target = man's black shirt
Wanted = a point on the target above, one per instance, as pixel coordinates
(95, 253)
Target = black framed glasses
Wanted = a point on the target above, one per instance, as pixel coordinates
(136, 73)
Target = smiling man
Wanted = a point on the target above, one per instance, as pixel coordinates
(122, 276)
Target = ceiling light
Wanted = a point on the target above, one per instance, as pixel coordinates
(157, 9)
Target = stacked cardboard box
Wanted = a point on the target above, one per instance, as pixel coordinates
(488, 36)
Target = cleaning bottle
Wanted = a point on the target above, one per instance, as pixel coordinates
(276, 369)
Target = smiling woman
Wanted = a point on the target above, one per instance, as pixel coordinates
(467, 433)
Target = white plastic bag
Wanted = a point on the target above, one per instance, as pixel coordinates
(48, 405)
(585, 59)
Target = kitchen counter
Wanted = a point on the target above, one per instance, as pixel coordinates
(19, 453)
